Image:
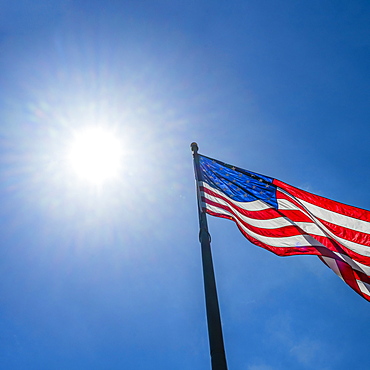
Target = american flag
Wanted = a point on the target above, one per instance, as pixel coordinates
(289, 221)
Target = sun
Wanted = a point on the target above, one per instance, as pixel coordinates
(95, 155)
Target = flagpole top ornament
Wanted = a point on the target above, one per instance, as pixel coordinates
(194, 148)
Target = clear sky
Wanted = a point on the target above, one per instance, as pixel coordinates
(109, 276)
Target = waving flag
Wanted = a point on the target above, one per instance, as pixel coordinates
(289, 221)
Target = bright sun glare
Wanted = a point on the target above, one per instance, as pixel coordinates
(95, 155)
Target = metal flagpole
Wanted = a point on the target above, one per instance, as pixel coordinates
(216, 342)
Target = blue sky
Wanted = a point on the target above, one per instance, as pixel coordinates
(111, 278)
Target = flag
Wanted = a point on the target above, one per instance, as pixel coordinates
(289, 221)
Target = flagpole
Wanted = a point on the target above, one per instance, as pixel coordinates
(216, 342)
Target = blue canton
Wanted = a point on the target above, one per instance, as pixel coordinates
(238, 184)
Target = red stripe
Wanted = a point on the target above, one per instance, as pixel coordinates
(286, 231)
(296, 216)
(348, 234)
(330, 246)
(341, 231)
(329, 204)
(280, 251)
(361, 276)
(334, 245)
(358, 274)
(348, 275)
(281, 232)
(266, 214)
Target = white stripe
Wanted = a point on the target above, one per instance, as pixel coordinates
(258, 205)
(314, 228)
(272, 223)
(364, 287)
(286, 204)
(338, 219)
(288, 241)
(310, 228)
(331, 216)
(255, 205)
(354, 264)
(356, 247)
